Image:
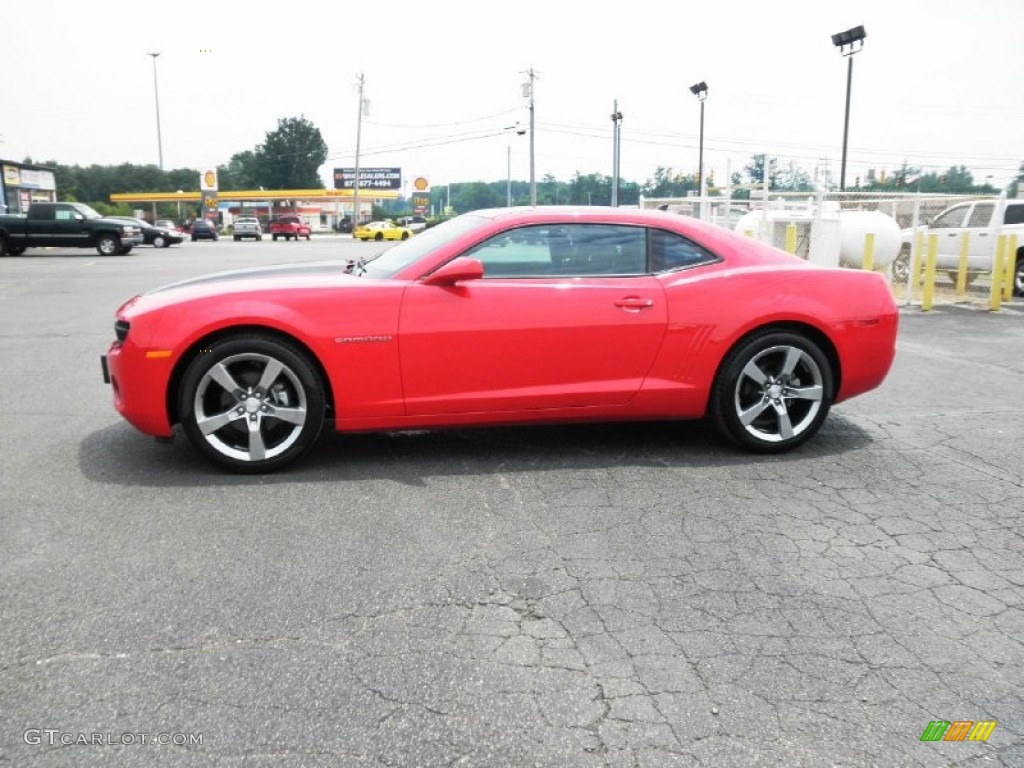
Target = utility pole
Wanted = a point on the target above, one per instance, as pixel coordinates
(616, 138)
(360, 82)
(528, 91)
(156, 93)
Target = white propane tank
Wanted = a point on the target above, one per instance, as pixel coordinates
(853, 225)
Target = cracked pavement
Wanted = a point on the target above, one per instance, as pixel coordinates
(634, 596)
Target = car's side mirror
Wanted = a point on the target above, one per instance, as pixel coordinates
(456, 271)
(78, 217)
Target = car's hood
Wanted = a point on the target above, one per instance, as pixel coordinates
(311, 273)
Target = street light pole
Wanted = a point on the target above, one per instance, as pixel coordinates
(700, 90)
(616, 138)
(156, 94)
(360, 82)
(519, 132)
(849, 42)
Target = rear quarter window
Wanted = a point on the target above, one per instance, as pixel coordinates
(1014, 214)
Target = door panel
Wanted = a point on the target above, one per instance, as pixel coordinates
(528, 343)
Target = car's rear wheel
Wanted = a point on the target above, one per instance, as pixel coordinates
(405, 235)
(773, 391)
(126, 250)
(108, 245)
(1018, 275)
(379, 236)
(159, 242)
(251, 403)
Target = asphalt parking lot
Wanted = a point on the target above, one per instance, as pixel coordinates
(633, 596)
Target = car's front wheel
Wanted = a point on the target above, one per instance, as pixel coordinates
(251, 403)
(1018, 275)
(159, 242)
(108, 245)
(773, 391)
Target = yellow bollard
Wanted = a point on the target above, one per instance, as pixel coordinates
(995, 294)
(929, 273)
(791, 238)
(961, 270)
(915, 263)
(1010, 257)
(868, 265)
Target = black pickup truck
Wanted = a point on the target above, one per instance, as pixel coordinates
(66, 225)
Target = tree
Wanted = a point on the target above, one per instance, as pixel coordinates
(289, 157)
(755, 170)
(793, 178)
(475, 195)
(240, 172)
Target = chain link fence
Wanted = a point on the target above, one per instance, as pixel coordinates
(899, 226)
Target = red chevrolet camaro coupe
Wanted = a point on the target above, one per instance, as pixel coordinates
(505, 316)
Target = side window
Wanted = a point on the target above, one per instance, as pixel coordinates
(981, 215)
(563, 250)
(64, 214)
(954, 217)
(671, 251)
(1014, 214)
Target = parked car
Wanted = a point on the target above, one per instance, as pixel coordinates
(169, 225)
(632, 315)
(66, 225)
(413, 223)
(204, 229)
(246, 226)
(976, 218)
(289, 227)
(344, 226)
(157, 236)
(381, 230)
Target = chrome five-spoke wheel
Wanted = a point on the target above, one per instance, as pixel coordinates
(773, 392)
(252, 404)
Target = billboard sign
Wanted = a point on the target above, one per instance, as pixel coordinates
(369, 178)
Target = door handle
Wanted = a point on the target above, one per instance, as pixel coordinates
(634, 303)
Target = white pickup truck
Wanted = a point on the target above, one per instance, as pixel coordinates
(976, 218)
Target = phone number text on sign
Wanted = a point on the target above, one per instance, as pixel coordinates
(369, 178)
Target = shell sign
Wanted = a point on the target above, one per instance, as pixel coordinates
(421, 184)
(208, 180)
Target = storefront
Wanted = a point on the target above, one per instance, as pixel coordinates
(21, 185)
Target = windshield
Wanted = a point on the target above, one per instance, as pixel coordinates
(86, 211)
(395, 259)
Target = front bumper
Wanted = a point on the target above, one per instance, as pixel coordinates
(139, 384)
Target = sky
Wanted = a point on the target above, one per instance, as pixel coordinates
(937, 83)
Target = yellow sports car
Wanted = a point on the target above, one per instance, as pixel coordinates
(382, 230)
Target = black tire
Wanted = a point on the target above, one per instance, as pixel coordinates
(953, 274)
(16, 250)
(126, 250)
(237, 238)
(5, 249)
(379, 236)
(228, 412)
(108, 245)
(405, 235)
(755, 401)
(275, 238)
(1018, 274)
(901, 264)
(259, 237)
(309, 237)
(160, 242)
